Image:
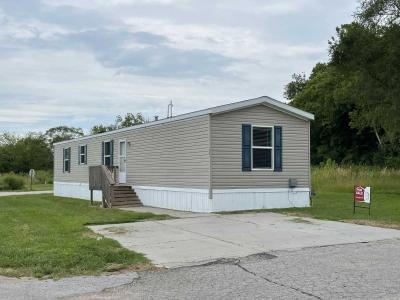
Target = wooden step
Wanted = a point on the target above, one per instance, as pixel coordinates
(126, 200)
(126, 205)
(122, 194)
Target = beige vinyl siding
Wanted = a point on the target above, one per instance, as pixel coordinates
(173, 154)
(226, 135)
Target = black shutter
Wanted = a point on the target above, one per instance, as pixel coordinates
(69, 160)
(102, 153)
(278, 149)
(86, 154)
(63, 161)
(246, 147)
(112, 153)
(79, 155)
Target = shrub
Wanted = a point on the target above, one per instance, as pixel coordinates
(43, 176)
(12, 182)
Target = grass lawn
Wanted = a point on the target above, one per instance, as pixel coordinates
(334, 185)
(45, 236)
(35, 187)
(385, 209)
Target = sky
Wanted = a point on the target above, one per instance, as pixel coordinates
(80, 63)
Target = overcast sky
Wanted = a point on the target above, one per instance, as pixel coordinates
(80, 63)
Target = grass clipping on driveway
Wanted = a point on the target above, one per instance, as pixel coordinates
(46, 236)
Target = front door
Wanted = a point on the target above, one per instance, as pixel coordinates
(122, 162)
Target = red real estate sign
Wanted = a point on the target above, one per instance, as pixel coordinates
(359, 193)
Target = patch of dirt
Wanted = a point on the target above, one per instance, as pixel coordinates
(145, 267)
(117, 230)
(374, 223)
(90, 234)
(296, 214)
(301, 221)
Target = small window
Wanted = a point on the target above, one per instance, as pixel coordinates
(82, 155)
(67, 160)
(262, 146)
(107, 154)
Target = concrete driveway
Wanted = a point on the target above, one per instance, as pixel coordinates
(198, 240)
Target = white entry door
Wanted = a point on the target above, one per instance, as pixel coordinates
(122, 162)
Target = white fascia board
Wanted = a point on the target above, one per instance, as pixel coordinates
(267, 101)
(214, 110)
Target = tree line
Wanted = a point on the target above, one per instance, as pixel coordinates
(19, 154)
(355, 96)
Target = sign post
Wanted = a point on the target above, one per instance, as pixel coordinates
(362, 194)
(31, 175)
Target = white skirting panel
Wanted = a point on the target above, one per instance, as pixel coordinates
(197, 200)
(75, 190)
(247, 199)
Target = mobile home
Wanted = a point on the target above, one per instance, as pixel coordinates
(245, 155)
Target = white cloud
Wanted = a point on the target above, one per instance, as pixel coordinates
(81, 63)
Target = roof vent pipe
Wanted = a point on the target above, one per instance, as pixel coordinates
(169, 113)
(155, 118)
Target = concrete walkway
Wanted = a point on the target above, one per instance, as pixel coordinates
(2, 194)
(196, 240)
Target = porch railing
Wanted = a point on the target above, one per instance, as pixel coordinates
(102, 178)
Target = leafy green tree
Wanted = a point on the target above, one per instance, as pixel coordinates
(20, 154)
(130, 119)
(296, 86)
(96, 129)
(355, 95)
(376, 13)
(62, 133)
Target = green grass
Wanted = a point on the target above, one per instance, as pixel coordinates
(35, 187)
(338, 206)
(333, 186)
(46, 236)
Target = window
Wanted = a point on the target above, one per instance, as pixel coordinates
(107, 157)
(262, 147)
(82, 155)
(67, 160)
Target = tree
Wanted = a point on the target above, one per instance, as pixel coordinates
(377, 13)
(130, 119)
(62, 133)
(325, 94)
(372, 59)
(96, 129)
(355, 95)
(296, 86)
(20, 154)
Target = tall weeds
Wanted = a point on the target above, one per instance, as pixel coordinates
(329, 177)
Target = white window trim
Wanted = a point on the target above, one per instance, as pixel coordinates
(104, 154)
(263, 147)
(67, 159)
(80, 155)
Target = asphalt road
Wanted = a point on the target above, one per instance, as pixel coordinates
(353, 271)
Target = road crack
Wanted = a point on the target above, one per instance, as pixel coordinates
(277, 283)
